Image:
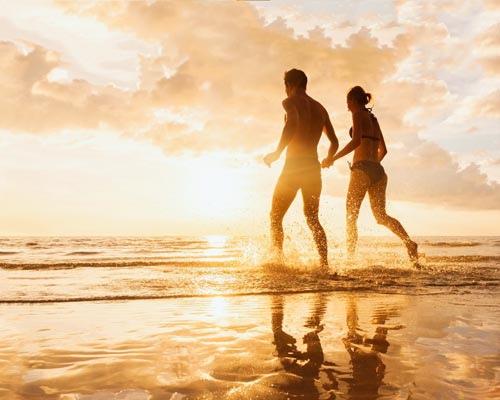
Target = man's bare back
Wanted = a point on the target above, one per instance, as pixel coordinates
(312, 118)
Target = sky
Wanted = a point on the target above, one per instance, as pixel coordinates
(152, 117)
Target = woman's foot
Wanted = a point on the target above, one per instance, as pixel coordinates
(412, 249)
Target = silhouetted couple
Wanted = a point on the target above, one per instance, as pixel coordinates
(368, 368)
(305, 121)
(309, 363)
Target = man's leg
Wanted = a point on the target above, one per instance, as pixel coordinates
(310, 194)
(283, 196)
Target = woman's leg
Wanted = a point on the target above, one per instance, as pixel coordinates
(377, 195)
(358, 185)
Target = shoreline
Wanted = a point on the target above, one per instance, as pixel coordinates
(360, 291)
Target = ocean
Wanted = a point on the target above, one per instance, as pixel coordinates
(55, 269)
(208, 318)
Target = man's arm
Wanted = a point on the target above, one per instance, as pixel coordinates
(291, 126)
(355, 141)
(334, 142)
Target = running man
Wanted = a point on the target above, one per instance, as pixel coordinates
(305, 121)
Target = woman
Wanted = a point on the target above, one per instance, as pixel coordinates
(367, 174)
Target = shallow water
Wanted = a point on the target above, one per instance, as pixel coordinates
(82, 269)
(208, 318)
(359, 346)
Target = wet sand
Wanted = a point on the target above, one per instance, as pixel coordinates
(300, 346)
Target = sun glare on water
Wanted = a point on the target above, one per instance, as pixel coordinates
(216, 245)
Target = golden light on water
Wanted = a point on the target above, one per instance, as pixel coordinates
(218, 307)
(216, 246)
(216, 241)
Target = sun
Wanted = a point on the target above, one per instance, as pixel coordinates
(215, 189)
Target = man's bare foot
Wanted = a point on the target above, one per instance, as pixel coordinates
(325, 272)
(276, 256)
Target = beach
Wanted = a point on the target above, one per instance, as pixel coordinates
(222, 331)
(438, 347)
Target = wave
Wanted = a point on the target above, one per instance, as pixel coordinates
(386, 244)
(117, 264)
(381, 288)
(83, 253)
(463, 259)
(382, 244)
(453, 244)
(205, 262)
(156, 297)
(232, 280)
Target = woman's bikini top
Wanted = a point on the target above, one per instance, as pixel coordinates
(374, 138)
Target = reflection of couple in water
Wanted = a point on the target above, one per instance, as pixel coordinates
(325, 377)
(368, 368)
(306, 364)
(305, 121)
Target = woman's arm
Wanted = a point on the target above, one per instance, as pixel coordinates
(382, 148)
(356, 137)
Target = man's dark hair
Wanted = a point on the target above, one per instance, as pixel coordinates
(296, 77)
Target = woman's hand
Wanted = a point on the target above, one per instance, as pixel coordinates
(327, 162)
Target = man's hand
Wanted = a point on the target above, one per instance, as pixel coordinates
(327, 162)
(271, 157)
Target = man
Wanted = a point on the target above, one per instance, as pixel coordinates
(305, 121)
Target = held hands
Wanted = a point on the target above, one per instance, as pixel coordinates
(327, 162)
(271, 157)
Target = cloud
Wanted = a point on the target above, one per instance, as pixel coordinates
(428, 174)
(203, 63)
(488, 47)
(493, 4)
(30, 102)
(216, 84)
(489, 105)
